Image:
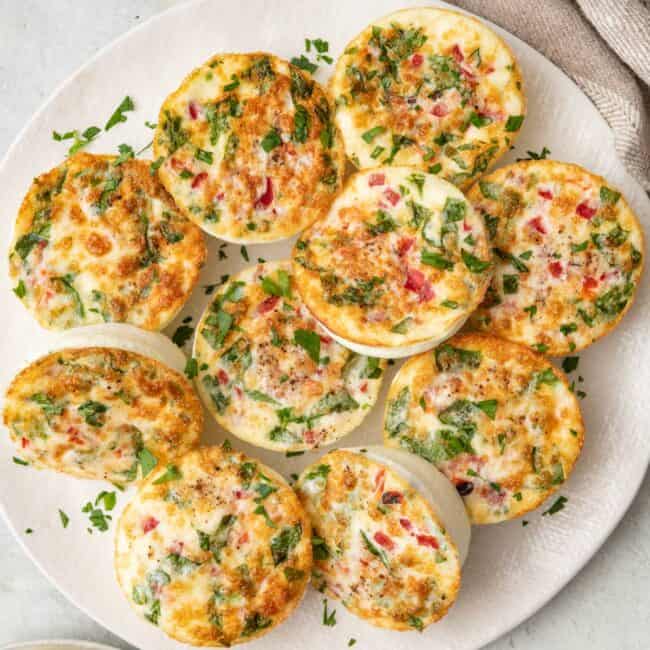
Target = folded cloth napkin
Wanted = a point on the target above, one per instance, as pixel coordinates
(604, 46)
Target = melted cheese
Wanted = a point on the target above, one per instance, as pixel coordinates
(218, 555)
(380, 547)
(496, 418)
(428, 87)
(98, 242)
(569, 252)
(270, 374)
(400, 259)
(250, 150)
(93, 411)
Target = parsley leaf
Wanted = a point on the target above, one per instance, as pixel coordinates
(118, 116)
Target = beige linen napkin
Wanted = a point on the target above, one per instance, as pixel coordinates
(604, 46)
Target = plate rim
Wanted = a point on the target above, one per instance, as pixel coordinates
(44, 643)
(560, 582)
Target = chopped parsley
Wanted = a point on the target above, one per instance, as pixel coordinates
(191, 368)
(570, 364)
(182, 335)
(514, 122)
(65, 520)
(371, 134)
(329, 617)
(558, 505)
(118, 116)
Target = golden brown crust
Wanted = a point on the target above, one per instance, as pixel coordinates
(499, 420)
(383, 551)
(250, 150)
(578, 251)
(97, 242)
(89, 412)
(231, 580)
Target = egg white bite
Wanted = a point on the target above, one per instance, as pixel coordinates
(100, 240)
(270, 374)
(428, 87)
(248, 148)
(397, 265)
(569, 255)
(215, 549)
(495, 417)
(111, 403)
(380, 546)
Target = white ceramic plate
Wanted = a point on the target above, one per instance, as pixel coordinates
(511, 570)
(58, 644)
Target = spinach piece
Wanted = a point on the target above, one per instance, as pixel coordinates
(49, 407)
(218, 540)
(310, 342)
(377, 552)
(614, 301)
(219, 399)
(451, 359)
(335, 402)
(284, 542)
(474, 264)
(301, 124)
(384, 223)
(397, 412)
(92, 412)
(173, 132)
(254, 623)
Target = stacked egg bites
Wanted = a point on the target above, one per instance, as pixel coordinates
(217, 554)
(248, 148)
(401, 260)
(99, 240)
(270, 374)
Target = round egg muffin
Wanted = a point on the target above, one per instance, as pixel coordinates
(398, 263)
(101, 413)
(100, 240)
(270, 374)
(248, 148)
(428, 87)
(568, 255)
(379, 546)
(214, 549)
(495, 417)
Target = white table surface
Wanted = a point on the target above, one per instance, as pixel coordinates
(606, 607)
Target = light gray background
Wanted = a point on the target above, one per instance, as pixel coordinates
(606, 607)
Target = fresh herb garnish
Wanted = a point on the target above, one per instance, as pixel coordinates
(558, 505)
(118, 116)
(329, 617)
(65, 520)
